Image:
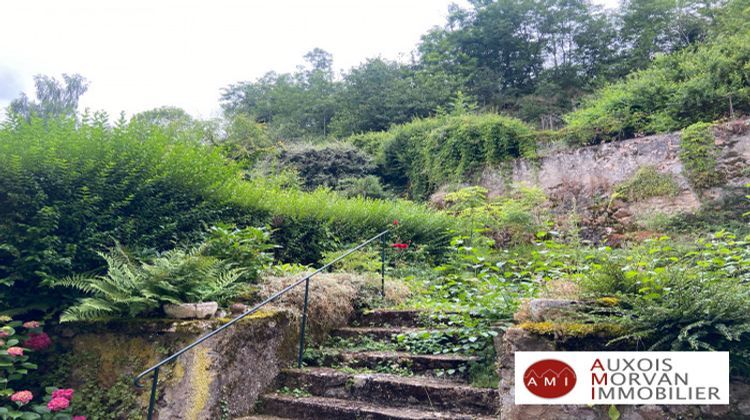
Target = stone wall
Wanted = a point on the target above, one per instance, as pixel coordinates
(525, 338)
(575, 179)
(221, 378)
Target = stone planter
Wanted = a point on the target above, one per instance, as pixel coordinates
(200, 310)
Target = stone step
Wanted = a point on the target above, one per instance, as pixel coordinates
(261, 417)
(319, 408)
(415, 391)
(417, 363)
(384, 333)
(390, 318)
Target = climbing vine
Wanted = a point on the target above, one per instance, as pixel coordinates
(699, 156)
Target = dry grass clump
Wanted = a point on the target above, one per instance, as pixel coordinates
(333, 297)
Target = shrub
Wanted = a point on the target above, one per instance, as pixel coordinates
(698, 154)
(695, 84)
(368, 187)
(647, 182)
(427, 153)
(69, 190)
(326, 165)
(514, 218)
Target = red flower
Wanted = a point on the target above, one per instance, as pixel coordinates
(400, 246)
(57, 404)
(63, 393)
(395, 222)
(38, 341)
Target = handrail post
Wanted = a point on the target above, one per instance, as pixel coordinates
(302, 325)
(152, 399)
(382, 265)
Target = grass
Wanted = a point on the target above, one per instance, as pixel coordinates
(648, 182)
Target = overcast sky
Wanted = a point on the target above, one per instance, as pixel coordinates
(141, 54)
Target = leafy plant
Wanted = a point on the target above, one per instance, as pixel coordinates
(647, 182)
(699, 156)
(17, 340)
(131, 288)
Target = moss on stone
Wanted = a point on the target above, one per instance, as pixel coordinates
(571, 329)
(608, 301)
(200, 382)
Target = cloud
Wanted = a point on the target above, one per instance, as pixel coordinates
(10, 85)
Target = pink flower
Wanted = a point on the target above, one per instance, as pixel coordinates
(63, 393)
(15, 351)
(57, 404)
(4, 334)
(2, 343)
(79, 417)
(31, 324)
(38, 341)
(22, 397)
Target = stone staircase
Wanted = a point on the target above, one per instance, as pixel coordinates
(351, 381)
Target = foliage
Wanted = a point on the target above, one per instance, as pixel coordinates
(55, 100)
(363, 261)
(696, 84)
(294, 106)
(647, 182)
(672, 298)
(326, 165)
(246, 249)
(367, 186)
(17, 340)
(510, 219)
(69, 190)
(246, 140)
(425, 154)
(699, 156)
(131, 288)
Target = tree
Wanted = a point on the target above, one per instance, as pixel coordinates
(55, 98)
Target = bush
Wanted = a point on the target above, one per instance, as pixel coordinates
(68, 191)
(698, 154)
(368, 187)
(426, 153)
(328, 164)
(511, 219)
(695, 84)
(670, 298)
(647, 182)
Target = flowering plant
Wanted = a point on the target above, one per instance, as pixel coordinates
(18, 342)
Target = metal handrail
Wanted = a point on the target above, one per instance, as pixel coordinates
(155, 368)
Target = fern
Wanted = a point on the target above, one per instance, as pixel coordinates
(131, 288)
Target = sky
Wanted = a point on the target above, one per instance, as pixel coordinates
(142, 54)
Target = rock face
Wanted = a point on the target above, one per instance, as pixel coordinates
(225, 374)
(519, 339)
(575, 179)
(202, 310)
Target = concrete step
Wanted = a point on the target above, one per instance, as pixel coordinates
(320, 408)
(417, 363)
(419, 392)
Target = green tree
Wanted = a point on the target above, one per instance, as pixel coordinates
(55, 98)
